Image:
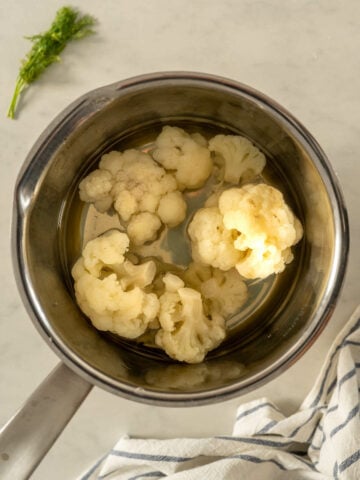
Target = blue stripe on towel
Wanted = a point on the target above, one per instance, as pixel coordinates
(152, 458)
(156, 474)
(343, 379)
(266, 443)
(147, 475)
(331, 386)
(92, 469)
(332, 409)
(335, 471)
(267, 427)
(323, 440)
(351, 415)
(299, 427)
(351, 342)
(255, 409)
(349, 461)
(252, 459)
(317, 447)
(258, 441)
(309, 439)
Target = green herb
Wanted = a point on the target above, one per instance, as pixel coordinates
(68, 25)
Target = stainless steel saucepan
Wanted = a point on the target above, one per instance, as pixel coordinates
(284, 314)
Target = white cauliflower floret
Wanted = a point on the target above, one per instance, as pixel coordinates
(110, 290)
(187, 155)
(110, 308)
(172, 207)
(108, 250)
(266, 228)
(96, 188)
(240, 158)
(172, 282)
(196, 274)
(134, 183)
(186, 334)
(140, 178)
(223, 292)
(252, 230)
(212, 243)
(143, 227)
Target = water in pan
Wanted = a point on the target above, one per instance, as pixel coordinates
(81, 222)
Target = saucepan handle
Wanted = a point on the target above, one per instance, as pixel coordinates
(29, 434)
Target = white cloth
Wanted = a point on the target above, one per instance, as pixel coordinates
(320, 441)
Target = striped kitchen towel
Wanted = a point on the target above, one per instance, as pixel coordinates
(320, 441)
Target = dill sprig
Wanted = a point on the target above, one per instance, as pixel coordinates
(68, 25)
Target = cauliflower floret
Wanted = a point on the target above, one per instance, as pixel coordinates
(266, 228)
(212, 243)
(143, 227)
(96, 188)
(110, 290)
(196, 274)
(223, 292)
(187, 155)
(134, 183)
(252, 230)
(172, 282)
(141, 178)
(186, 334)
(172, 207)
(110, 308)
(108, 250)
(240, 157)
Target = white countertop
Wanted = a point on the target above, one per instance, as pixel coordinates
(303, 54)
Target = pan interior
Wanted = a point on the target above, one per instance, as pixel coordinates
(280, 310)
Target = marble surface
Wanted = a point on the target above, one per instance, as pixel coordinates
(304, 54)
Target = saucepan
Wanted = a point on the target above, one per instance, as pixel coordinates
(284, 315)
